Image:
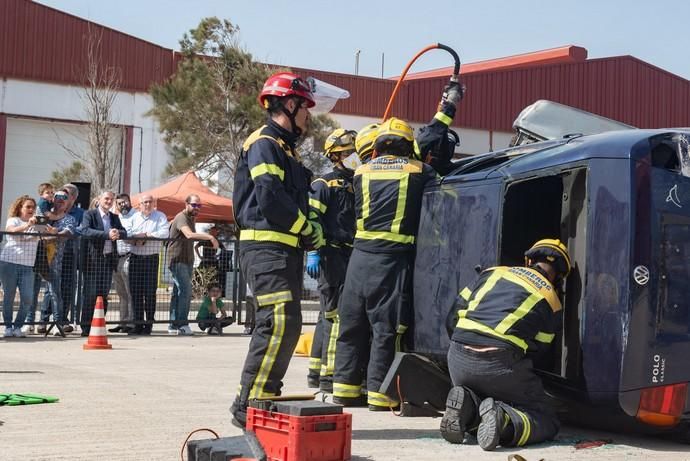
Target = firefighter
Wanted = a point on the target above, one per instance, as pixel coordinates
(271, 208)
(333, 200)
(506, 321)
(364, 142)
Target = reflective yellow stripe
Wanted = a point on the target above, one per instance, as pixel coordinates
(469, 324)
(315, 363)
(299, 222)
(443, 118)
(347, 390)
(267, 168)
(331, 314)
(488, 285)
(271, 351)
(465, 294)
(526, 429)
(318, 205)
(269, 236)
(400, 206)
(401, 329)
(522, 310)
(380, 400)
(273, 298)
(330, 351)
(544, 337)
(381, 235)
(365, 202)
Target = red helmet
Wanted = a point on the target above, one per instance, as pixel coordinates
(286, 84)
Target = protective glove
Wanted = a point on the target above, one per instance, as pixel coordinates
(313, 235)
(313, 260)
(453, 93)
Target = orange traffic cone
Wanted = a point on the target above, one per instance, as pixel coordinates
(97, 335)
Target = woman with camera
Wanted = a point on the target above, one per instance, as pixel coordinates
(17, 260)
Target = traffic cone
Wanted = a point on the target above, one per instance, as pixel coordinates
(98, 338)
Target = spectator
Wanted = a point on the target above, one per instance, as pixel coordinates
(65, 226)
(207, 316)
(125, 212)
(143, 265)
(181, 251)
(46, 192)
(68, 284)
(211, 258)
(17, 260)
(101, 228)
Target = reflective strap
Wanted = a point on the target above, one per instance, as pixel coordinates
(269, 236)
(314, 363)
(267, 168)
(271, 352)
(400, 206)
(274, 298)
(331, 314)
(443, 118)
(526, 430)
(380, 400)
(488, 285)
(469, 324)
(351, 391)
(366, 198)
(330, 351)
(546, 338)
(299, 222)
(381, 235)
(465, 294)
(400, 331)
(519, 313)
(322, 207)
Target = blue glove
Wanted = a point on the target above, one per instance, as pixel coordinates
(313, 260)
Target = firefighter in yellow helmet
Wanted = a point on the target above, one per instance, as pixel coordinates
(364, 143)
(333, 201)
(271, 206)
(509, 318)
(375, 299)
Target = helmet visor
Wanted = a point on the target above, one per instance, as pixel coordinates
(325, 95)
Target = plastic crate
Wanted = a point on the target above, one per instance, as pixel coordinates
(302, 438)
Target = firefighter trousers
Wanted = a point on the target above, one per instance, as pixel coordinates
(507, 376)
(331, 280)
(274, 276)
(374, 301)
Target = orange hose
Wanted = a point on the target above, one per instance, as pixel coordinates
(402, 77)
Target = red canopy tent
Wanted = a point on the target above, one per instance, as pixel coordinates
(170, 199)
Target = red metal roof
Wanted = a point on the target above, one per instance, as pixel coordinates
(43, 44)
(563, 54)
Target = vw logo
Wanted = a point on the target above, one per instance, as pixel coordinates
(641, 275)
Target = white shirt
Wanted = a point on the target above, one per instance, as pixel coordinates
(19, 249)
(125, 246)
(155, 225)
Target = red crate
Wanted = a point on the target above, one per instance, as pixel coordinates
(302, 438)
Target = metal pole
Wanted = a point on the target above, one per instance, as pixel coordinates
(357, 62)
(383, 59)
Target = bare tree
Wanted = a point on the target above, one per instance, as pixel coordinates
(100, 83)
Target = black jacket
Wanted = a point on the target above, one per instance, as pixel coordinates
(91, 229)
(333, 200)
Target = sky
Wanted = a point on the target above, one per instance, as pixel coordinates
(326, 35)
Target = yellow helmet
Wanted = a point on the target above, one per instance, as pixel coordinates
(395, 137)
(340, 140)
(364, 143)
(553, 252)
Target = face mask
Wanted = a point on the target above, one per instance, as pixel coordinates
(351, 162)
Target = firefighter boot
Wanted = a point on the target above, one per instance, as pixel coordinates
(495, 425)
(461, 412)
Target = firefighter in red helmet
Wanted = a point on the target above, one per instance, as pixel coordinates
(271, 204)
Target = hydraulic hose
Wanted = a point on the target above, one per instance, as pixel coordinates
(454, 77)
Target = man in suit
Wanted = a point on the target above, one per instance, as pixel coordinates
(101, 228)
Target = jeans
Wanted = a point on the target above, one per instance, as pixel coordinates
(181, 294)
(16, 276)
(31, 315)
(53, 297)
(143, 282)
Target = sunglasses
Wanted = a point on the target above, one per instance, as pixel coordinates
(195, 205)
(60, 197)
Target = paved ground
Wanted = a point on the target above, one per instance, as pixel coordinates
(140, 400)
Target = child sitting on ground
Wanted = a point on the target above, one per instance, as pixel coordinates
(208, 317)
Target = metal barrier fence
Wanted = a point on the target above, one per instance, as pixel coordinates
(134, 276)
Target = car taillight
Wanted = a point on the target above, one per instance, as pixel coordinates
(662, 406)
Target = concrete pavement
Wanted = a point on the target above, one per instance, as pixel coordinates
(139, 401)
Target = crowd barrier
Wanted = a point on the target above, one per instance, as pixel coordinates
(68, 268)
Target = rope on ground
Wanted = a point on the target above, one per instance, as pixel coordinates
(190, 435)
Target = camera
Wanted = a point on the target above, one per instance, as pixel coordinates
(41, 220)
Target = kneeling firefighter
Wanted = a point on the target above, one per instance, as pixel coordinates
(333, 201)
(376, 301)
(509, 318)
(271, 208)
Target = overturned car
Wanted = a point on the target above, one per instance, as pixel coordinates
(620, 200)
